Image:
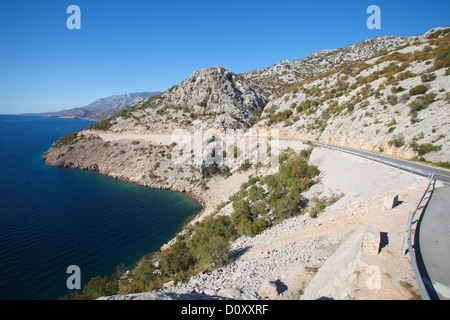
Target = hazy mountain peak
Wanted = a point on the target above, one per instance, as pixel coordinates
(102, 108)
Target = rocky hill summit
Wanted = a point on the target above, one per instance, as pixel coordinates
(216, 96)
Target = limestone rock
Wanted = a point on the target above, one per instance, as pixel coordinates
(169, 284)
(390, 201)
(269, 290)
(371, 241)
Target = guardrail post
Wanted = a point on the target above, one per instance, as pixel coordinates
(407, 244)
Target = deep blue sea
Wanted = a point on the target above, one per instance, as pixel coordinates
(51, 218)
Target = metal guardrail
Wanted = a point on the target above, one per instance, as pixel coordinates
(408, 242)
(408, 239)
(389, 163)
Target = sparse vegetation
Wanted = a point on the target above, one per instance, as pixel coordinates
(420, 103)
(419, 89)
(398, 141)
(206, 246)
(265, 201)
(423, 149)
(66, 140)
(392, 100)
(428, 77)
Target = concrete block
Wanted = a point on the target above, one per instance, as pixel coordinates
(390, 201)
(372, 239)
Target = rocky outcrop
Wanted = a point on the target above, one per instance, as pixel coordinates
(217, 97)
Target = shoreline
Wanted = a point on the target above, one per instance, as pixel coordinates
(206, 204)
(337, 177)
(288, 252)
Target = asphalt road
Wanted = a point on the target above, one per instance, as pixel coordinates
(433, 245)
(432, 239)
(440, 174)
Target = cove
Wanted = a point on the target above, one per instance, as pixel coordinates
(52, 218)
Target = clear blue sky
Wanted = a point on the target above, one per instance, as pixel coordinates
(129, 46)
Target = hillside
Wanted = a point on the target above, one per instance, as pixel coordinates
(394, 102)
(288, 72)
(215, 96)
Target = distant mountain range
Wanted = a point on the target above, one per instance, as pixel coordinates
(102, 108)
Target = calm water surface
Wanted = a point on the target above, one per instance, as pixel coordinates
(51, 218)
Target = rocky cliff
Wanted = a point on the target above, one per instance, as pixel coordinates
(394, 102)
(217, 97)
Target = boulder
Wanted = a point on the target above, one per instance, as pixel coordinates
(390, 201)
(371, 241)
(169, 284)
(269, 290)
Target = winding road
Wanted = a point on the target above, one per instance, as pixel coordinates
(432, 238)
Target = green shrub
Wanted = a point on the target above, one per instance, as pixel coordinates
(103, 125)
(442, 58)
(419, 89)
(398, 141)
(245, 166)
(421, 103)
(428, 77)
(210, 248)
(290, 205)
(304, 106)
(392, 100)
(443, 164)
(423, 149)
(179, 258)
(99, 287)
(66, 140)
(279, 116)
(319, 206)
(405, 75)
(397, 89)
(236, 152)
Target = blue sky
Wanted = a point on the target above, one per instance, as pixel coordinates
(145, 45)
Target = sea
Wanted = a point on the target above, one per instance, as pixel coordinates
(53, 218)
